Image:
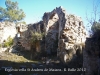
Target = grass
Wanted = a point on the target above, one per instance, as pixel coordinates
(15, 61)
(14, 58)
(8, 42)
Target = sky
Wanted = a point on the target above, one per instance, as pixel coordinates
(34, 9)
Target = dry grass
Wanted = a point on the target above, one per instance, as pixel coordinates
(14, 58)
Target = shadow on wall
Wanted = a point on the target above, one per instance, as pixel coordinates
(48, 44)
(52, 39)
(37, 49)
(27, 45)
(91, 55)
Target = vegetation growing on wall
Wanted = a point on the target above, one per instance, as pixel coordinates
(0, 45)
(36, 37)
(8, 42)
(35, 44)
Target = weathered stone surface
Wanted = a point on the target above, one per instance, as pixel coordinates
(36, 27)
(10, 29)
(63, 32)
(7, 29)
(51, 24)
(91, 55)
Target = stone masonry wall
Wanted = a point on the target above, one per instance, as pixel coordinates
(65, 33)
(91, 55)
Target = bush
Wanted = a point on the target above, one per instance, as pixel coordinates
(95, 27)
(36, 36)
(0, 45)
(35, 44)
(9, 42)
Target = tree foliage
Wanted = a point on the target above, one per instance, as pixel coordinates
(35, 44)
(94, 19)
(95, 27)
(11, 12)
(36, 37)
(9, 42)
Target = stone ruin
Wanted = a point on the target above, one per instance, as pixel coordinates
(7, 29)
(91, 55)
(65, 34)
(65, 37)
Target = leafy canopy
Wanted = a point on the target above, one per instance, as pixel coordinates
(11, 12)
(95, 27)
(36, 37)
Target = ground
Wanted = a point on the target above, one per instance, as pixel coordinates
(23, 66)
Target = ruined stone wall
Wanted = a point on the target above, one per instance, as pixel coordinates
(65, 33)
(7, 29)
(51, 31)
(10, 29)
(91, 55)
(72, 37)
(26, 35)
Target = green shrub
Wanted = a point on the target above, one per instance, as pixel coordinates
(36, 36)
(9, 42)
(24, 22)
(0, 45)
(95, 27)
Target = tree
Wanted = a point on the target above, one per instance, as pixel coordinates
(11, 12)
(35, 43)
(94, 19)
(95, 27)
